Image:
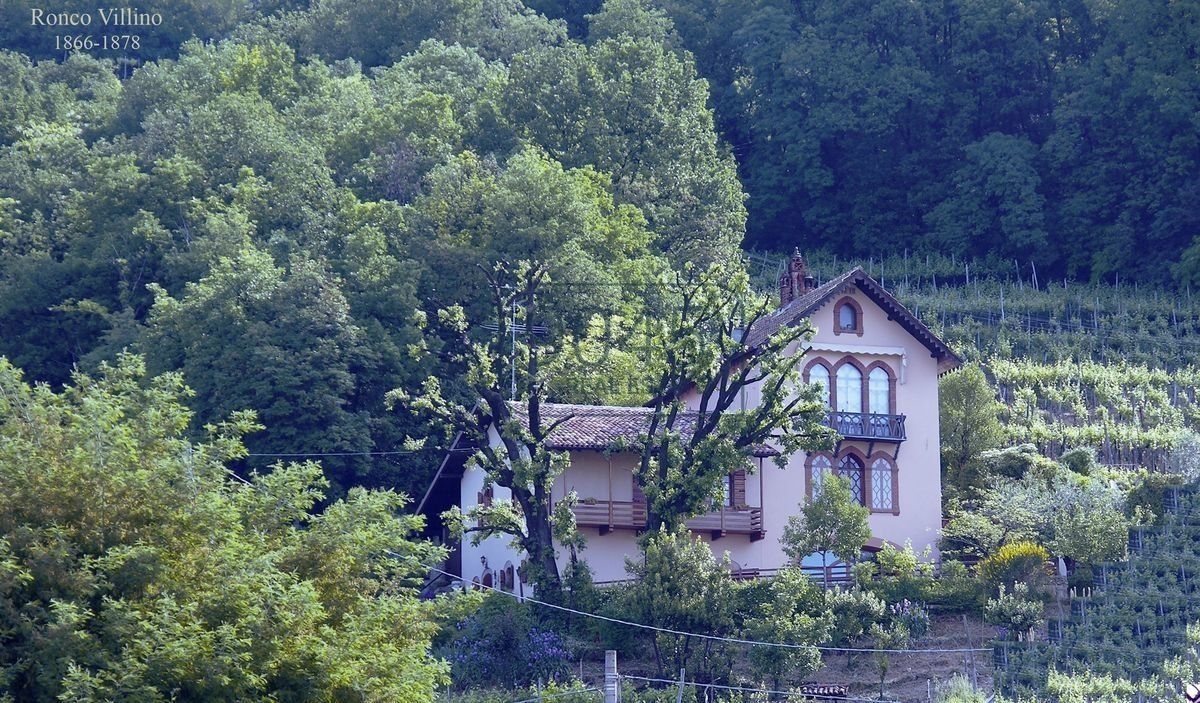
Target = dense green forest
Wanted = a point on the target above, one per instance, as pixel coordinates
(347, 164)
(309, 208)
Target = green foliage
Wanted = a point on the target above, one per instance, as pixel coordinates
(1081, 460)
(293, 327)
(958, 690)
(1015, 563)
(129, 561)
(1144, 501)
(832, 523)
(681, 587)
(630, 107)
(897, 575)
(1092, 526)
(1089, 688)
(955, 589)
(1074, 516)
(854, 612)
(794, 614)
(501, 644)
(1015, 610)
(970, 425)
(891, 635)
(1013, 462)
(994, 200)
(701, 339)
(569, 692)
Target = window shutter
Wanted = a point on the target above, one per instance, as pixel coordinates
(739, 487)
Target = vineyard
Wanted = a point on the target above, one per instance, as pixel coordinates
(1108, 366)
(1132, 625)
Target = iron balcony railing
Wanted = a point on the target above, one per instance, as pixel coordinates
(867, 425)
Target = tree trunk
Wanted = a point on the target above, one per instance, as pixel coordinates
(541, 555)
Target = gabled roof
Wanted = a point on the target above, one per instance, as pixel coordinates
(600, 427)
(808, 303)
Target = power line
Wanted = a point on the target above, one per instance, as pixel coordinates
(715, 638)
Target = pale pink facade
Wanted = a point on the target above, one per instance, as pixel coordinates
(889, 417)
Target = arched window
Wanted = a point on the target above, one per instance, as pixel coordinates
(820, 375)
(819, 468)
(879, 391)
(849, 389)
(882, 485)
(847, 318)
(851, 469)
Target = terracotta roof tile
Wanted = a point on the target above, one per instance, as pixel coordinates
(598, 427)
(798, 309)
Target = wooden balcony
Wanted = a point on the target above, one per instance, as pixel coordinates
(729, 521)
(621, 515)
(869, 426)
(611, 515)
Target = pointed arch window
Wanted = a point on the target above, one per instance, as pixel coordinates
(883, 485)
(819, 375)
(879, 391)
(851, 469)
(848, 317)
(849, 389)
(819, 467)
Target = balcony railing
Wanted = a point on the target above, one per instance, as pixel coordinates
(867, 425)
(726, 520)
(623, 515)
(611, 515)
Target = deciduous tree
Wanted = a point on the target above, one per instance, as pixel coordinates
(831, 523)
(133, 566)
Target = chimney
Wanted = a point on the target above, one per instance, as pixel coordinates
(796, 281)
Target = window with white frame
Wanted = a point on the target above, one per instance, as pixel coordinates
(849, 389)
(820, 376)
(882, 485)
(879, 391)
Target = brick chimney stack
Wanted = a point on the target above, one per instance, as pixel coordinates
(796, 281)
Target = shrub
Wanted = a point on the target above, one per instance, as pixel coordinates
(955, 590)
(614, 603)
(897, 574)
(854, 612)
(1145, 499)
(500, 645)
(912, 616)
(1012, 462)
(1081, 577)
(958, 690)
(796, 615)
(1016, 612)
(1081, 460)
(681, 587)
(1019, 562)
(571, 692)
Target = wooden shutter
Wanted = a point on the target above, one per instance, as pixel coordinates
(739, 487)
